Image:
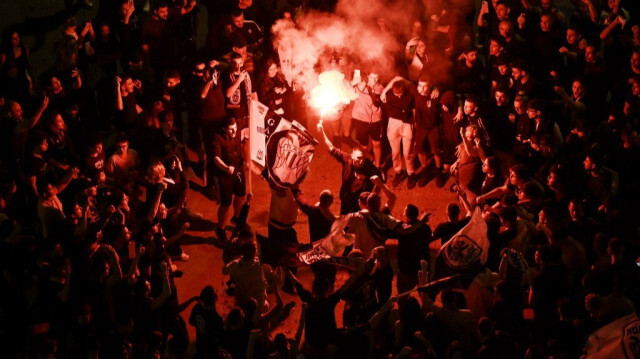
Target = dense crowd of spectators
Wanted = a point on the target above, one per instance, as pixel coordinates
(527, 113)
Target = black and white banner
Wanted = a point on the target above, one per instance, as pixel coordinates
(284, 148)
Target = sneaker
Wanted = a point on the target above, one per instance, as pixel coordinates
(411, 182)
(398, 178)
(222, 235)
(441, 179)
(423, 179)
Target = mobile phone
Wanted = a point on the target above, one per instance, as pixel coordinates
(527, 313)
(132, 249)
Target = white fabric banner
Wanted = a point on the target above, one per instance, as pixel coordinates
(618, 339)
(257, 114)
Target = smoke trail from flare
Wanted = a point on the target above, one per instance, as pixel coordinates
(304, 50)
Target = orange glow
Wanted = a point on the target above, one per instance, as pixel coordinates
(331, 93)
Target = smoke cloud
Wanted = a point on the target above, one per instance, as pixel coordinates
(369, 35)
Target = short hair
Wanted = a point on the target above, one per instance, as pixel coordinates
(536, 104)
(509, 214)
(504, 88)
(237, 13)
(576, 28)
(172, 74)
(473, 99)
(234, 56)
(160, 3)
(412, 211)
(374, 202)
(228, 121)
(247, 248)
(424, 78)
(470, 48)
(326, 198)
(398, 85)
(521, 98)
(208, 296)
(453, 210)
(122, 137)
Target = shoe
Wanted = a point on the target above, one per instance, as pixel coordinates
(423, 179)
(411, 181)
(222, 235)
(398, 178)
(441, 179)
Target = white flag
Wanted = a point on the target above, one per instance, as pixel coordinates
(618, 339)
(257, 114)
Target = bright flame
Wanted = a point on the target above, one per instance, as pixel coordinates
(331, 93)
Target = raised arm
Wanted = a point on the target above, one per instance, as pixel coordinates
(326, 139)
(391, 197)
(295, 346)
(36, 117)
(119, 102)
(234, 86)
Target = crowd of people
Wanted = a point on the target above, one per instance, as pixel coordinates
(527, 114)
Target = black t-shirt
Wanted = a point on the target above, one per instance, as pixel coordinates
(501, 131)
(93, 165)
(413, 247)
(250, 31)
(209, 328)
(213, 106)
(237, 103)
(399, 107)
(129, 109)
(228, 149)
(320, 321)
(319, 224)
(36, 166)
(155, 34)
(446, 230)
(427, 110)
(349, 172)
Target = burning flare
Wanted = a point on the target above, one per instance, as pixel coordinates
(331, 93)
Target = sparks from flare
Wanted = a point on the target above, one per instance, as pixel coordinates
(331, 93)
